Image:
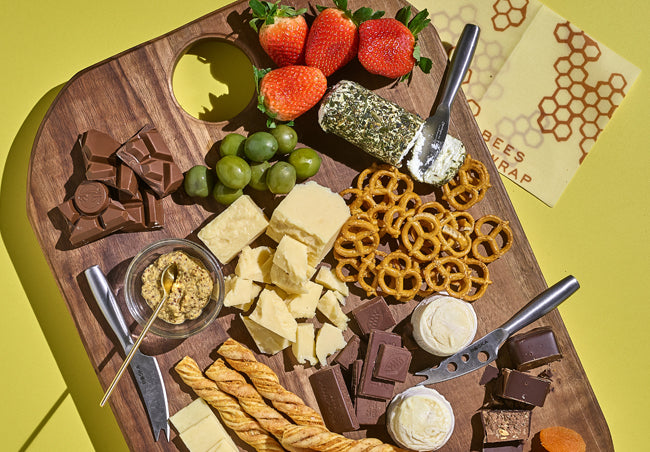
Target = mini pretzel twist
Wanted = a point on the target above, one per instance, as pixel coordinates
(233, 383)
(358, 237)
(267, 383)
(231, 412)
(479, 277)
(399, 276)
(500, 228)
(469, 186)
(420, 236)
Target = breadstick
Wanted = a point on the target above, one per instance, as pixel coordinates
(232, 414)
(233, 383)
(268, 384)
(321, 439)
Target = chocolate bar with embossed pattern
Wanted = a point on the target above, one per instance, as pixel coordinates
(392, 363)
(334, 400)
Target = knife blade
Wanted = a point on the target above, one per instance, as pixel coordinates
(485, 350)
(436, 126)
(144, 368)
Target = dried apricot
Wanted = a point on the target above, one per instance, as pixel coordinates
(561, 439)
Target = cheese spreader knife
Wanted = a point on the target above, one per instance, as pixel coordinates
(145, 368)
(435, 127)
(485, 350)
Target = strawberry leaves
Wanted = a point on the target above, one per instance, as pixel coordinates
(264, 13)
(416, 25)
(359, 16)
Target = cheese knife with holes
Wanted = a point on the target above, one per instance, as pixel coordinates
(485, 350)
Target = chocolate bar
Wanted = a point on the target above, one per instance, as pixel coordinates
(349, 353)
(370, 386)
(505, 425)
(150, 158)
(392, 363)
(334, 400)
(369, 411)
(533, 348)
(374, 315)
(521, 387)
(504, 447)
(357, 366)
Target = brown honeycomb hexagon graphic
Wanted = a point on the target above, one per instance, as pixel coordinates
(522, 127)
(577, 106)
(508, 13)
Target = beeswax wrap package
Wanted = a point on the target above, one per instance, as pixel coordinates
(540, 88)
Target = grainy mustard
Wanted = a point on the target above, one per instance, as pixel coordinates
(189, 293)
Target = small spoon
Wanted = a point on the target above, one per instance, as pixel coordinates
(167, 278)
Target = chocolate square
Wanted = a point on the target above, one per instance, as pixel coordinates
(392, 363)
(370, 411)
(374, 315)
(521, 387)
(505, 425)
(533, 348)
(368, 385)
(349, 353)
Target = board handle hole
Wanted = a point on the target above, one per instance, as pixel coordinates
(213, 80)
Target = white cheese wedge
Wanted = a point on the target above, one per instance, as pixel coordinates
(240, 292)
(255, 263)
(339, 296)
(272, 313)
(200, 429)
(234, 228)
(266, 340)
(326, 277)
(290, 270)
(444, 167)
(311, 214)
(329, 306)
(303, 305)
(329, 340)
(304, 349)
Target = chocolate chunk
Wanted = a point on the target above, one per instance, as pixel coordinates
(374, 315)
(370, 411)
(357, 366)
(98, 151)
(334, 400)
(115, 217)
(489, 374)
(392, 363)
(505, 425)
(154, 213)
(368, 385)
(127, 181)
(533, 348)
(349, 354)
(521, 387)
(69, 211)
(85, 230)
(504, 447)
(91, 198)
(150, 158)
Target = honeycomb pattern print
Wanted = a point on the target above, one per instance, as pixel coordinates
(578, 106)
(508, 13)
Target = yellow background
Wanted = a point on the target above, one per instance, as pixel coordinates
(599, 231)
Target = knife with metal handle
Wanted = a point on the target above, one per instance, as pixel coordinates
(485, 350)
(435, 127)
(146, 372)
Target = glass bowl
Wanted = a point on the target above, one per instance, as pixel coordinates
(139, 308)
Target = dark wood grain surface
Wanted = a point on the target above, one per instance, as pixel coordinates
(132, 89)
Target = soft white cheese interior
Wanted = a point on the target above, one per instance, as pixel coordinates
(444, 167)
(420, 419)
(443, 325)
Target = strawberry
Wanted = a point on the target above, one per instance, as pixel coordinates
(283, 31)
(333, 38)
(388, 47)
(288, 92)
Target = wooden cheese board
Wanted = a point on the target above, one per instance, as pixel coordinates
(122, 94)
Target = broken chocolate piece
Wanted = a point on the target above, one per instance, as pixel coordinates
(374, 315)
(150, 158)
(154, 213)
(504, 447)
(91, 198)
(85, 230)
(370, 386)
(370, 411)
(69, 211)
(521, 387)
(392, 363)
(489, 374)
(349, 353)
(533, 348)
(334, 400)
(127, 181)
(357, 366)
(98, 151)
(505, 425)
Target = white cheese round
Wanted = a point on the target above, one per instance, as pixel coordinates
(420, 419)
(443, 325)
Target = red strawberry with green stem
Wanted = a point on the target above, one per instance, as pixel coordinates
(389, 47)
(288, 92)
(333, 39)
(282, 33)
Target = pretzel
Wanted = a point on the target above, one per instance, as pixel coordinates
(432, 207)
(358, 237)
(367, 276)
(420, 236)
(479, 277)
(455, 235)
(233, 383)
(399, 276)
(361, 200)
(350, 263)
(500, 229)
(231, 412)
(268, 385)
(468, 187)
